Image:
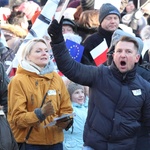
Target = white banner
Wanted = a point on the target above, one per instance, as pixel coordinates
(39, 28)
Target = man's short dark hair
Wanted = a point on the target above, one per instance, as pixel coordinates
(129, 39)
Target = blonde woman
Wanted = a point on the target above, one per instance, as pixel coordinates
(35, 83)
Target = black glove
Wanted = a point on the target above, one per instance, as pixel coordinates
(65, 123)
(55, 31)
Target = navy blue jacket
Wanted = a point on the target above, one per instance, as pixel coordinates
(116, 102)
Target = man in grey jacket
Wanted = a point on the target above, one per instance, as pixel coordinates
(118, 97)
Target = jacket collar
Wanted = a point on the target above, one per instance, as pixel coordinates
(105, 32)
(123, 77)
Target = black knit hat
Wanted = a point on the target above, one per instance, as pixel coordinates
(87, 4)
(107, 9)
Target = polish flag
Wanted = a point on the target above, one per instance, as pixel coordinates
(99, 53)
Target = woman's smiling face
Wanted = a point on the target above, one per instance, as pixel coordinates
(39, 55)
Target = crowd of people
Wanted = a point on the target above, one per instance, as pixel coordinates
(51, 101)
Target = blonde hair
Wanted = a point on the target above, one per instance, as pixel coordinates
(29, 45)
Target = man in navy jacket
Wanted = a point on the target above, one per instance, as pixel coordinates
(118, 96)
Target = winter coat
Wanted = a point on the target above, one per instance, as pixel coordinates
(14, 36)
(85, 32)
(4, 80)
(143, 142)
(25, 93)
(73, 138)
(6, 137)
(116, 102)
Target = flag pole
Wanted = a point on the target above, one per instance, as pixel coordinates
(138, 4)
(148, 1)
(62, 10)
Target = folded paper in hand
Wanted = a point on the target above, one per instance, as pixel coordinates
(2, 113)
(64, 117)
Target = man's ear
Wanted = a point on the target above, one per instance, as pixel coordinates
(137, 58)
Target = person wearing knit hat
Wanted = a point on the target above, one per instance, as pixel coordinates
(73, 138)
(72, 89)
(87, 4)
(107, 9)
(109, 19)
(68, 26)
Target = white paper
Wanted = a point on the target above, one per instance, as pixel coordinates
(58, 118)
(2, 113)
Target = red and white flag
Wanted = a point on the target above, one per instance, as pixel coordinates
(99, 53)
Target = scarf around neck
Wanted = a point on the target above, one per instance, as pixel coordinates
(31, 67)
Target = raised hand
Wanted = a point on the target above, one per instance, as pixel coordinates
(55, 31)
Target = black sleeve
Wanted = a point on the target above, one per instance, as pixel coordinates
(4, 80)
(146, 57)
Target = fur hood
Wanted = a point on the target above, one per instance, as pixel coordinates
(13, 30)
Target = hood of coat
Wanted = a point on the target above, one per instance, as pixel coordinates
(31, 67)
(13, 30)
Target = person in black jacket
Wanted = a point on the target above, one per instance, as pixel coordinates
(4, 80)
(7, 139)
(109, 19)
(143, 70)
(118, 96)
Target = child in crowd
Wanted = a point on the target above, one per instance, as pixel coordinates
(73, 139)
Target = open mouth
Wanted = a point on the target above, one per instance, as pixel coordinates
(123, 63)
